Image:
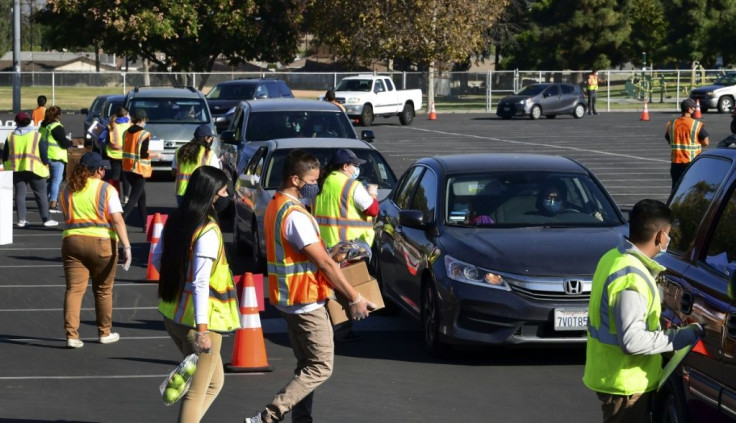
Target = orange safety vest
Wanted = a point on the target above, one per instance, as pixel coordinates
(116, 132)
(292, 278)
(132, 161)
(38, 115)
(684, 133)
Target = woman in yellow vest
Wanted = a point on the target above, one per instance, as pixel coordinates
(192, 155)
(197, 296)
(25, 153)
(137, 165)
(94, 222)
(53, 133)
(114, 150)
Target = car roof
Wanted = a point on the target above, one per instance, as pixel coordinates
(728, 152)
(246, 81)
(466, 163)
(290, 105)
(290, 143)
(115, 98)
(166, 92)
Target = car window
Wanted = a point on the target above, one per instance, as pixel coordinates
(406, 188)
(354, 85)
(261, 91)
(255, 166)
(264, 126)
(172, 110)
(111, 108)
(96, 106)
(692, 198)
(285, 91)
(554, 90)
(389, 84)
(237, 123)
(425, 197)
(379, 86)
(532, 90)
(514, 199)
(273, 90)
(721, 255)
(230, 91)
(374, 171)
(567, 89)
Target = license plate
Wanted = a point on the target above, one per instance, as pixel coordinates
(571, 319)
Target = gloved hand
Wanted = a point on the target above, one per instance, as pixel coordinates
(202, 342)
(360, 308)
(128, 258)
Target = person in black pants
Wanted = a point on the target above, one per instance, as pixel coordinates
(137, 165)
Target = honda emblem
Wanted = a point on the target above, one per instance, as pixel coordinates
(573, 287)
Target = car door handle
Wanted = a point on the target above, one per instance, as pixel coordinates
(731, 327)
(686, 303)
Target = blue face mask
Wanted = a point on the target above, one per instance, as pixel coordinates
(309, 191)
(552, 205)
(356, 173)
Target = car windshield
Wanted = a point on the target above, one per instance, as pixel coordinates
(520, 199)
(264, 126)
(232, 92)
(172, 110)
(111, 108)
(727, 79)
(532, 90)
(354, 85)
(374, 171)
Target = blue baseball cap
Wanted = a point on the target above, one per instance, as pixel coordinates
(345, 155)
(93, 161)
(202, 131)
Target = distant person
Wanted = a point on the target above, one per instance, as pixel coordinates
(39, 113)
(26, 154)
(686, 136)
(137, 165)
(330, 96)
(592, 91)
(198, 299)
(625, 341)
(114, 136)
(89, 249)
(730, 140)
(191, 156)
(53, 133)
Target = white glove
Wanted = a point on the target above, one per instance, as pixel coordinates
(360, 308)
(128, 258)
(202, 342)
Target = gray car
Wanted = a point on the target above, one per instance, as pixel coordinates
(548, 99)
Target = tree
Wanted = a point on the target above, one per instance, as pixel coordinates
(6, 26)
(179, 35)
(648, 32)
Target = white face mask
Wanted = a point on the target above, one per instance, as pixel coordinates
(663, 246)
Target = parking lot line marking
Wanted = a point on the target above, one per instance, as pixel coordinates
(537, 144)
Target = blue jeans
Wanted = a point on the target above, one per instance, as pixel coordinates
(57, 174)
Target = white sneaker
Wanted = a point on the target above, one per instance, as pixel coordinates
(51, 222)
(22, 223)
(109, 339)
(55, 211)
(74, 343)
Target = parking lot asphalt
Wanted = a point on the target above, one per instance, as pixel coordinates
(384, 376)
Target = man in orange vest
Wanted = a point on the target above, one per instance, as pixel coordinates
(301, 276)
(39, 113)
(686, 136)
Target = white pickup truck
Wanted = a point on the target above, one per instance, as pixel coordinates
(367, 96)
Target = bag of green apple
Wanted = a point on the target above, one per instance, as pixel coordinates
(177, 383)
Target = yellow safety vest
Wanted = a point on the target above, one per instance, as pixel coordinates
(335, 211)
(86, 212)
(184, 170)
(24, 154)
(223, 310)
(592, 82)
(56, 153)
(132, 160)
(292, 278)
(684, 132)
(116, 132)
(607, 368)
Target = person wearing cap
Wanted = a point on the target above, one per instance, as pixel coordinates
(89, 248)
(686, 136)
(53, 133)
(192, 155)
(26, 154)
(137, 165)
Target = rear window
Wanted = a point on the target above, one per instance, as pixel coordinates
(172, 110)
(264, 126)
(567, 89)
(232, 92)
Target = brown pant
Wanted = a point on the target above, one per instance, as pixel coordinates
(209, 378)
(88, 257)
(626, 408)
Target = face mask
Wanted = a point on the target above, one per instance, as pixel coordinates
(356, 173)
(663, 250)
(552, 205)
(309, 191)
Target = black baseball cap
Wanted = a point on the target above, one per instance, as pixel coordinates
(202, 131)
(345, 155)
(93, 161)
(687, 104)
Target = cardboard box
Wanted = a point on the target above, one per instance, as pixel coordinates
(358, 276)
(74, 154)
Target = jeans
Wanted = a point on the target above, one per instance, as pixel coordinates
(56, 168)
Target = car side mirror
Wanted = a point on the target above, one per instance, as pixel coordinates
(261, 96)
(84, 111)
(228, 137)
(367, 135)
(412, 219)
(248, 181)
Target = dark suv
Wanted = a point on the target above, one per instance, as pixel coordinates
(699, 285)
(548, 99)
(224, 96)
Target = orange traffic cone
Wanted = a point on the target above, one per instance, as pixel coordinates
(645, 112)
(432, 113)
(249, 348)
(158, 227)
(697, 114)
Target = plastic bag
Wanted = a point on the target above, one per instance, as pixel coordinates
(346, 252)
(177, 383)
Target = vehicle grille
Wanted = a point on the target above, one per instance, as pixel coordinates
(340, 100)
(550, 296)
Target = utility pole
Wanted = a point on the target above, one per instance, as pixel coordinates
(16, 56)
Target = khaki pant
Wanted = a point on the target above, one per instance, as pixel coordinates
(626, 408)
(85, 258)
(310, 335)
(209, 378)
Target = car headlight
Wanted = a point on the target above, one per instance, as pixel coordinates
(355, 100)
(522, 102)
(710, 94)
(465, 272)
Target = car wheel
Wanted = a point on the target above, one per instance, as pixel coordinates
(431, 322)
(255, 250)
(535, 113)
(366, 116)
(407, 115)
(669, 405)
(725, 104)
(237, 241)
(550, 116)
(579, 111)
